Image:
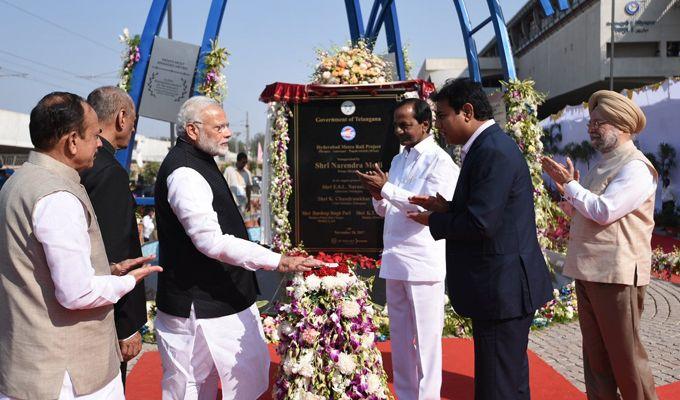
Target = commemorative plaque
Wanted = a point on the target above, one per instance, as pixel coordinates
(332, 137)
(169, 79)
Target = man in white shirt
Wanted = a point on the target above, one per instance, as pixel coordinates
(240, 182)
(57, 337)
(208, 326)
(413, 263)
(147, 223)
(609, 251)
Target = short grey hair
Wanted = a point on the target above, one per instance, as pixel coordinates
(191, 111)
(108, 100)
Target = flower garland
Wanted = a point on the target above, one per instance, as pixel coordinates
(130, 57)
(327, 337)
(214, 83)
(281, 187)
(666, 265)
(561, 309)
(522, 101)
(350, 65)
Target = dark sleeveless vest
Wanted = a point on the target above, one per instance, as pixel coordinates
(216, 289)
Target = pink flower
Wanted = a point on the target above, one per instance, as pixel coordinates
(310, 335)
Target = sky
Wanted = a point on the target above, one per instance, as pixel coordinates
(73, 45)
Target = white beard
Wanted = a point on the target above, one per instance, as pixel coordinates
(210, 147)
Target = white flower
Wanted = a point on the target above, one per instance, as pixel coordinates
(344, 49)
(350, 309)
(326, 75)
(330, 282)
(285, 329)
(298, 280)
(381, 80)
(300, 291)
(374, 385)
(346, 280)
(313, 282)
(570, 312)
(288, 366)
(311, 396)
(346, 363)
(367, 340)
(339, 382)
(304, 365)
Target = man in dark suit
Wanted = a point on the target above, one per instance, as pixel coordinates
(496, 274)
(107, 184)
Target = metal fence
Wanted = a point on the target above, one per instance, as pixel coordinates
(13, 160)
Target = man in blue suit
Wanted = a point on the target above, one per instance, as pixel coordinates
(496, 274)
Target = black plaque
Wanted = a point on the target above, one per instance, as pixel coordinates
(332, 138)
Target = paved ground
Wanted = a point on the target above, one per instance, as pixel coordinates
(560, 345)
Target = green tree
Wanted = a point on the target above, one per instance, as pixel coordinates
(149, 171)
(551, 138)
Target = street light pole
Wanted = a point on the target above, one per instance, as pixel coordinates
(611, 50)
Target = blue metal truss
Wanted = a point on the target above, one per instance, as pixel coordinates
(383, 12)
(502, 39)
(154, 21)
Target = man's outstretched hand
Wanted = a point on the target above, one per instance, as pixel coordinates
(144, 271)
(121, 268)
(420, 217)
(298, 264)
(431, 203)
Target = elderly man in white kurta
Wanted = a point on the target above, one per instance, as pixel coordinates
(609, 251)
(413, 263)
(57, 336)
(208, 326)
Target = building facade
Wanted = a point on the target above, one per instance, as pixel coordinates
(568, 54)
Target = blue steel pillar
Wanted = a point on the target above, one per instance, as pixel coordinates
(355, 20)
(470, 45)
(388, 16)
(502, 40)
(394, 40)
(212, 30)
(151, 28)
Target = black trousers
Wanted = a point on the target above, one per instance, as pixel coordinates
(501, 362)
(123, 372)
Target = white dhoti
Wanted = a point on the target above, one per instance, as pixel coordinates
(416, 312)
(197, 353)
(112, 391)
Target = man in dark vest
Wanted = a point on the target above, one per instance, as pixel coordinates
(107, 184)
(208, 327)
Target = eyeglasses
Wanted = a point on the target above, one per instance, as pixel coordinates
(218, 128)
(593, 123)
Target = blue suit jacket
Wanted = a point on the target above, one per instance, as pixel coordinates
(495, 268)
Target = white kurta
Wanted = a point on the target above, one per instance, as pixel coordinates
(60, 225)
(414, 265)
(196, 353)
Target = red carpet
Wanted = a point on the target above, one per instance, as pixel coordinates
(666, 242)
(669, 392)
(143, 382)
